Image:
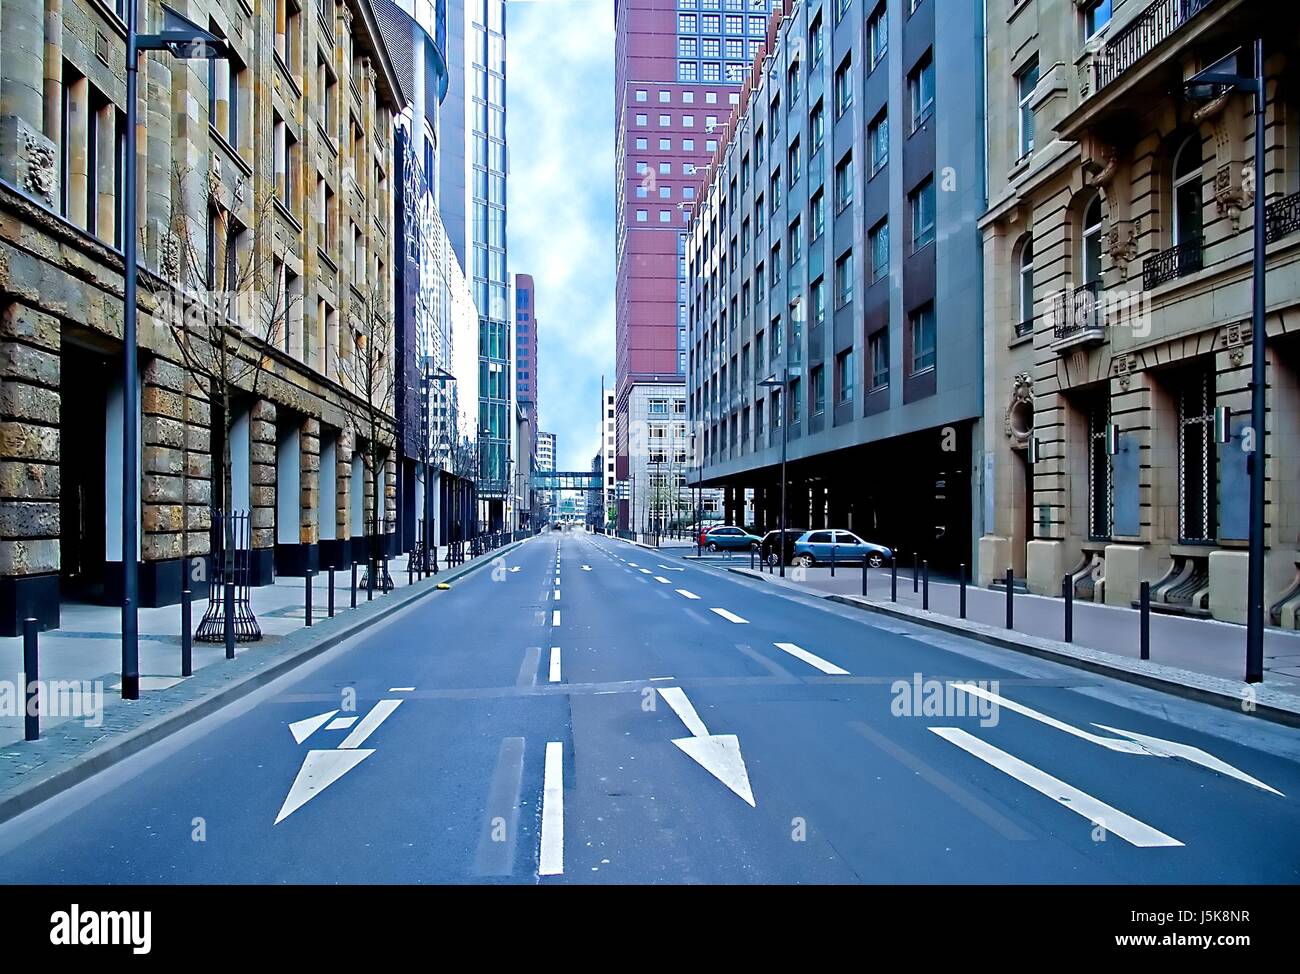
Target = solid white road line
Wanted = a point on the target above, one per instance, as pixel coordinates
(555, 664)
(1081, 803)
(555, 617)
(660, 578)
(689, 595)
(551, 858)
(401, 689)
(812, 659)
(379, 713)
(729, 616)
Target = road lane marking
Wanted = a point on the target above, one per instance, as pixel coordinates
(644, 571)
(551, 857)
(341, 723)
(1081, 803)
(303, 729)
(718, 754)
(660, 578)
(812, 659)
(528, 668)
(555, 664)
(379, 713)
(689, 595)
(496, 855)
(555, 617)
(729, 616)
(401, 689)
(557, 595)
(319, 770)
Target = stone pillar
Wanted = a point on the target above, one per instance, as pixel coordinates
(201, 469)
(261, 475)
(390, 501)
(309, 483)
(162, 482)
(29, 467)
(27, 158)
(344, 489)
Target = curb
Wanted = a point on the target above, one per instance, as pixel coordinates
(104, 755)
(1271, 705)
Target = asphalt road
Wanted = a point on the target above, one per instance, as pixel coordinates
(662, 722)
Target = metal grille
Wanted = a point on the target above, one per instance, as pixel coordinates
(1100, 475)
(1196, 455)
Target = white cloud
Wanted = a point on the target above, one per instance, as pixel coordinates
(560, 204)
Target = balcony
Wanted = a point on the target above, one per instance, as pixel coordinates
(1077, 318)
(1282, 217)
(1168, 265)
(1151, 28)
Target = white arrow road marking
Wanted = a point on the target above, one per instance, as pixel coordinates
(689, 595)
(1137, 743)
(718, 754)
(1081, 803)
(341, 723)
(319, 770)
(303, 729)
(660, 578)
(555, 664)
(586, 568)
(729, 616)
(551, 858)
(1188, 752)
(812, 659)
(379, 713)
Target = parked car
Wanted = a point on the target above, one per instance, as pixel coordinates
(768, 548)
(816, 548)
(728, 538)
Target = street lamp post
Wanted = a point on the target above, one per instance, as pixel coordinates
(1212, 83)
(440, 376)
(779, 384)
(183, 39)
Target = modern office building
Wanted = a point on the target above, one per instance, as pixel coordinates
(264, 198)
(835, 282)
(608, 466)
(526, 340)
(678, 71)
(473, 206)
(1118, 244)
(546, 464)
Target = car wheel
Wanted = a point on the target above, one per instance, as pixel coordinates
(804, 561)
(875, 559)
(713, 546)
(771, 558)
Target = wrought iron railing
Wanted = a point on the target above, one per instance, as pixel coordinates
(1077, 313)
(1148, 31)
(1178, 261)
(1282, 217)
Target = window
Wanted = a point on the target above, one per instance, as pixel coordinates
(794, 241)
(792, 83)
(224, 78)
(793, 163)
(1197, 475)
(1091, 267)
(776, 264)
(844, 377)
(841, 8)
(641, 144)
(1187, 191)
(844, 182)
(920, 86)
(328, 87)
(844, 279)
(844, 86)
(774, 190)
(878, 140)
(1026, 82)
(641, 216)
(1100, 481)
(817, 377)
(921, 323)
(817, 301)
(816, 42)
(878, 35)
(922, 206)
(816, 129)
(1026, 283)
(817, 215)
(879, 239)
(640, 95)
(878, 348)
(1096, 15)
(796, 401)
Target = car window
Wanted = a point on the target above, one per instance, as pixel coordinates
(847, 537)
(820, 537)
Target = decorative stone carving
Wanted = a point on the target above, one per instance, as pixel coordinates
(1019, 416)
(40, 175)
(1234, 178)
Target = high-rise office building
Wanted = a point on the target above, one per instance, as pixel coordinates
(678, 71)
(472, 175)
(526, 340)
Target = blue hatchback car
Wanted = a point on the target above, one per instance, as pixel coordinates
(819, 547)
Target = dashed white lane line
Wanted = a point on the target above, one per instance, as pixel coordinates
(689, 595)
(557, 595)
(551, 858)
(812, 659)
(729, 616)
(1081, 803)
(401, 689)
(660, 578)
(555, 664)
(555, 617)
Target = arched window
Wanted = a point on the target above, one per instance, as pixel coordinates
(1187, 191)
(1026, 283)
(1091, 266)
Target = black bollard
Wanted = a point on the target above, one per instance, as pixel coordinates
(961, 593)
(1011, 576)
(31, 681)
(383, 579)
(865, 559)
(1067, 595)
(410, 571)
(893, 578)
(307, 576)
(1144, 620)
(915, 578)
(832, 559)
(187, 633)
(925, 585)
(230, 619)
(354, 584)
(331, 595)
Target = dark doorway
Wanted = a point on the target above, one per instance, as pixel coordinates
(84, 383)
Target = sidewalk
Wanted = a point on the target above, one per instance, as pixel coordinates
(1208, 652)
(87, 646)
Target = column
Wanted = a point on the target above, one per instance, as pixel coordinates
(163, 485)
(261, 477)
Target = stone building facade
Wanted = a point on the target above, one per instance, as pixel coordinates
(1117, 248)
(265, 174)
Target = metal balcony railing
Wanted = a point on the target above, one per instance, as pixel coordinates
(1139, 38)
(1076, 315)
(1282, 217)
(1178, 261)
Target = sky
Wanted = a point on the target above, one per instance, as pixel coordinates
(560, 204)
